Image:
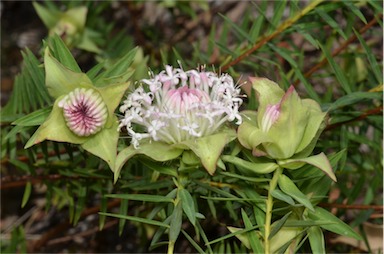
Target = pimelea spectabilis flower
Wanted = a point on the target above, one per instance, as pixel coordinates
(285, 128)
(177, 105)
(84, 111)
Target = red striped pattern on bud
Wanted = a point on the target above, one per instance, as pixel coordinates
(84, 111)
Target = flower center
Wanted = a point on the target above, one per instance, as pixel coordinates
(183, 99)
(84, 111)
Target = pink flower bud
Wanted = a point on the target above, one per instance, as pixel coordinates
(84, 111)
(270, 116)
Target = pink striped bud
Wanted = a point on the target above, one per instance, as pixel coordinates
(84, 111)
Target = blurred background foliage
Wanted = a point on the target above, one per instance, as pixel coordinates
(331, 51)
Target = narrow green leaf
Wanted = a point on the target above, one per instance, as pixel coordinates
(103, 209)
(245, 178)
(27, 194)
(255, 243)
(278, 11)
(194, 244)
(61, 52)
(353, 98)
(289, 188)
(188, 205)
(260, 168)
(277, 225)
(119, 71)
(377, 70)
(281, 196)
(238, 232)
(306, 223)
(337, 226)
(355, 10)
(123, 210)
(256, 28)
(92, 73)
(308, 87)
(35, 118)
(176, 221)
(141, 197)
(241, 199)
(80, 203)
(316, 240)
(285, 54)
(137, 219)
(331, 22)
(161, 168)
(337, 70)
(239, 31)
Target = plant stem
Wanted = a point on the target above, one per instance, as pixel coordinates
(283, 26)
(269, 206)
(171, 246)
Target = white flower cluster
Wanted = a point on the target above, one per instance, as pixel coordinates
(178, 105)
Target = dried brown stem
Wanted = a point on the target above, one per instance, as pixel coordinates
(339, 49)
(35, 246)
(352, 206)
(271, 36)
(8, 182)
(375, 111)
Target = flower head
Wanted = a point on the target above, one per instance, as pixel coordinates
(84, 111)
(285, 125)
(177, 105)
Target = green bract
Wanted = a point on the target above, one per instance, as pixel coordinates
(285, 128)
(293, 133)
(69, 25)
(208, 149)
(64, 84)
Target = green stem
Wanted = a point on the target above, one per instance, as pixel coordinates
(171, 246)
(269, 207)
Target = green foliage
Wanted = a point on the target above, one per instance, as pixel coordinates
(218, 203)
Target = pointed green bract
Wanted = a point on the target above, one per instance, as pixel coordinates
(112, 95)
(293, 124)
(104, 144)
(158, 151)
(61, 80)
(55, 129)
(77, 16)
(320, 161)
(209, 148)
(49, 17)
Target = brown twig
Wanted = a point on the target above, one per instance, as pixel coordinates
(8, 182)
(352, 206)
(339, 49)
(86, 233)
(36, 245)
(375, 111)
(271, 36)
